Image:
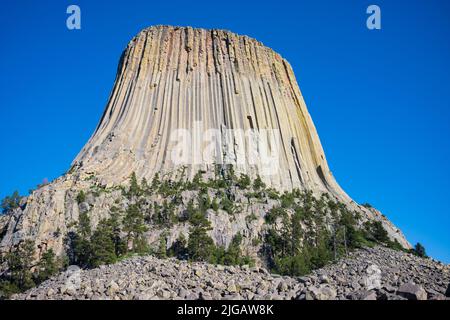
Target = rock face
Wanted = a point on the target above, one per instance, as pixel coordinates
(173, 78)
(402, 276)
(202, 86)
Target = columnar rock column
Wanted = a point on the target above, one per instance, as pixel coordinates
(173, 78)
(201, 86)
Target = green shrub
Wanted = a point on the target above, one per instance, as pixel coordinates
(296, 265)
(244, 181)
(11, 202)
(233, 255)
(251, 217)
(419, 250)
(227, 205)
(215, 205)
(376, 232)
(273, 194)
(258, 184)
(256, 241)
(287, 200)
(81, 197)
(395, 245)
(274, 213)
(195, 216)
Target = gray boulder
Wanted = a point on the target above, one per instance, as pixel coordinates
(322, 292)
(412, 291)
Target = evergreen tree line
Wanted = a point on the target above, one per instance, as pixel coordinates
(306, 233)
(298, 237)
(123, 233)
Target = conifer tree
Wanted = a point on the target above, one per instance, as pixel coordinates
(135, 189)
(200, 245)
(80, 242)
(179, 248)
(47, 266)
(134, 226)
(419, 250)
(10, 202)
(19, 263)
(102, 245)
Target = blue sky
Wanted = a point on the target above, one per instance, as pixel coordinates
(380, 99)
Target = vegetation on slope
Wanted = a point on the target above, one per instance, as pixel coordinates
(301, 233)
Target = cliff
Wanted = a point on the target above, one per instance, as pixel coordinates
(196, 80)
(185, 100)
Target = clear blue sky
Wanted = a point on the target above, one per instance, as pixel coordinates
(380, 99)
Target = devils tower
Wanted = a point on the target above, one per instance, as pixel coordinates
(196, 81)
(174, 78)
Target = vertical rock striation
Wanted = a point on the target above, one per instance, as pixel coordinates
(196, 80)
(173, 78)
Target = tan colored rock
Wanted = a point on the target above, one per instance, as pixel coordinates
(173, 78)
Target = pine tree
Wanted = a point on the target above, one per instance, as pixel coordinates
(102, 245)
(19, 263)
(134, 226)
(47, 266)
(233, 255)
(419, 250)
(162, 249)
(200, 245)
(84, 225)
(196, 216)
(155, 182)
(378, 232)
(80, 242)
(11, 202)
(321, 252)
(120, 246)
(230, 175)
(204, 201)
(135, 189)
(144, 185)
(178, 248)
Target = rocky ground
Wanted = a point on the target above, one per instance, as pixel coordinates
(369, 274)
